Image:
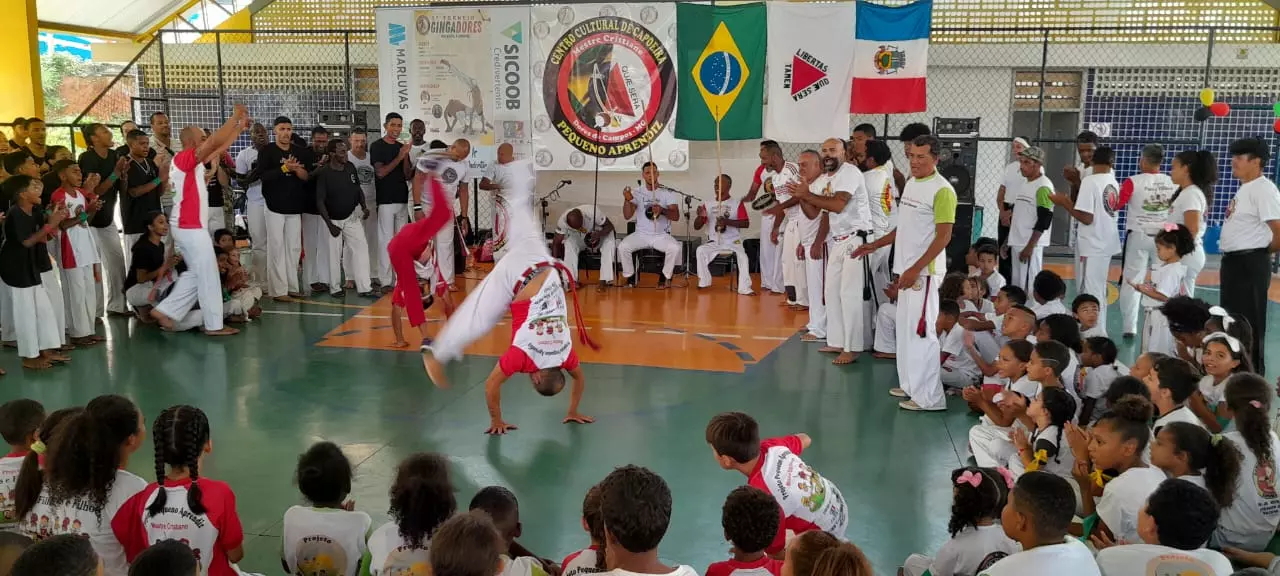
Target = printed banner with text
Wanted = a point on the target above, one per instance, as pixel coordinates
(462, 71)
(604, 77)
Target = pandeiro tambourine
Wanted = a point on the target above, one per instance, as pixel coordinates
(766, 199)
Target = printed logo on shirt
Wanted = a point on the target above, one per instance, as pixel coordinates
(813, 488)
(1231, 208)
(1177, 565)
(449, 175)
(365, 174)
(355, 178)
(407, 561)
(321, 556)
(1111, 199)
(994, 557)
(1264, 478)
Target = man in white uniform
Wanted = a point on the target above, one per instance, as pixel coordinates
(200, 283)
(1097, 238)
(251, 180)
(926, 216)
(786, 228)
(509, 195)
(1009, 181)
(1032, 219)
(776, 174)
(358, 156)
(727, 218)
(1146, 197)
(841, 193)
(573, 236)
(1086, 143)
(654, 208)
(1250, 235)
(455, 175)
(882, 196)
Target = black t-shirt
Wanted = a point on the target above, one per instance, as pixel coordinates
(134, 210)
(392, 188)
(18, 266)
(342, 192)
(284, 193)
(214, 187)
(147, 257)
(44, 162)
(92, 163)
(316, 156)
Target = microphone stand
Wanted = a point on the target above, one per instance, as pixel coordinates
(688, 233)
(554, 194)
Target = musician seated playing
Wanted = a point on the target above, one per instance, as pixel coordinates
(728, 217)
(574, 234)
(654, 208)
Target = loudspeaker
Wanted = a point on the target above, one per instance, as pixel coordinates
(961, 238)
(958, 163)
(340, 123)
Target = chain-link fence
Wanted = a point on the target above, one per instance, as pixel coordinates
(1133, 86)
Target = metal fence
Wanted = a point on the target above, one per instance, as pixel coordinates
(1128, 88)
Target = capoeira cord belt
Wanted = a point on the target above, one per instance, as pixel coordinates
(528, 275)
(921, 328)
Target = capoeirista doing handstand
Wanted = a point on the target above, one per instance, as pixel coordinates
(528, 282)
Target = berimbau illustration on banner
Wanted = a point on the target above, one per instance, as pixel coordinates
(725, 84)
(604, 80)
(891, 57)
(809, 63)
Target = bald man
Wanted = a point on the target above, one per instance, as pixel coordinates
(814, 230)
(454, 174)
(581, 227)
(512, 182)
(190, 217)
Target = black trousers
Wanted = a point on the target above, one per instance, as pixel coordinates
(1246, 276)
(1004, 265)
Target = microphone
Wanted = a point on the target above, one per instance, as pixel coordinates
(566, 182)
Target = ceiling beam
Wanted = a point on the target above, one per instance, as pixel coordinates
(1273, 3)
(84, 30)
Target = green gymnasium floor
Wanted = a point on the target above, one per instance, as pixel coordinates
(270, 392)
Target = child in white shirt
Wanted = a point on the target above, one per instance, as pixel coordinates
(329, 535)
(1063, 329)
(1047, 291)
(1174, 525)
(1043, 449)
(466, 545)
(1171, 382)
(1222, 356)
(635, 505)
(20, 422)
(958, 368)
(974, 297)
(1186, 451)
(977, 540)
(1099, 370)
(77, 251)
(501, 505)
(1085, 308)
(1250, 522)
(589, 560)
(1116, 444)
(1172, 244)
(421, 500)
(1037, 516)
(988, 259)
(988, 328)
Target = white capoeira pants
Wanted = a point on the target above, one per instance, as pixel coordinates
(918, 364)
(708, 252)
(1024, 273)
(80, 300)
(112, 265)
(1139, 256)
(315, 251)
(357, 252)
(242, 300)
(284, 249)
(200, 283)
(445, 239)
(991, 445)
(793, 268)
(139, 295)
(770, 257)
(1156, 336)
(217, 220)
(814, 273)
(8, 332)
(52, 283)
(850, 313)
(1091, 278)
(257, 219)
(665, 243)
(576, 242)
(391, 218)
(1194, 263)
(916, 565)
(34, 323)
(485, 305)
(886, 338)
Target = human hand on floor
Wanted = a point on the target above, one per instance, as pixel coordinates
(498, 427)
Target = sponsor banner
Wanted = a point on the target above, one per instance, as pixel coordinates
(605, 82)
(463, 71)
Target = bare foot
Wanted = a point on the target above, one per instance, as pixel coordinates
(67, 347)
(236, 319)
(36, 364)
(164, 321)
(809, 338)
(399, 344)
(845, 358)
(223, 332)
(602, 287)
(86, 341)
(831, 350)
(884, 355)
(96, 338)
(55, 357)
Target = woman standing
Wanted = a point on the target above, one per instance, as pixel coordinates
(1195, 172)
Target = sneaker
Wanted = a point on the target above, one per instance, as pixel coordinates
(368, 294)
(338, 294)
(426, 345)
(897, 393)
(912, 406)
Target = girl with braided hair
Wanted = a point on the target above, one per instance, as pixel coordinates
(1251, 519)
(85, 480)
(181, 505)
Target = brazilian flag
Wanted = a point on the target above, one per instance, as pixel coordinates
(721, 54)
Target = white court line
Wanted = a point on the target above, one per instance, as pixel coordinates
(607, 329)
(325, 314)
(710, 335)
(778, 338)
(664, 332)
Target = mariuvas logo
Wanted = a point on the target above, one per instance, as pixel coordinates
(889, 59)
(395, 34)
(804, 75)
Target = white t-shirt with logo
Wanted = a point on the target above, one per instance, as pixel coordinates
(390, 555)
(1148, 559)
(777, 183)
(958, 359)
(581, 562)
(1148, 207)
(522, 566)
(1071, 558)
(1029, 196)
(1256, 203)
(882, 196)
(1190, 198)
(453, 174)
(926, 202)
(643, 198)
(76, 245)
(973, 550)
(246, 160)
(1099, 196)
(324, 541)
(679, 571)
(210, 535)
(1097, 381)
(541, 336)
(1250, 521)
(732, 209)
(1167, 278)
(808, 501)
(856, 216)
(366, 173)
(76, 516)
(1048, 309)
(1124, 496)
(10, 466)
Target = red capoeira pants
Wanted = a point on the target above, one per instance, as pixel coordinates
(406, 246)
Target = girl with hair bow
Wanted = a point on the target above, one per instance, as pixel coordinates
(1222, 356)
(977, 539)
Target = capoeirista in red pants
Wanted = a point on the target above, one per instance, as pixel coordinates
(405, 248)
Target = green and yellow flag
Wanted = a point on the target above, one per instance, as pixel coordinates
(721, 56)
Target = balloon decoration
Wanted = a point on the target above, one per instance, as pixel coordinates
(1276, 109)
(1207, 96)
(1220, 109)
(1203, 113)
(1276, 126)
